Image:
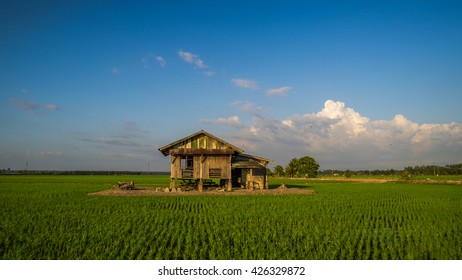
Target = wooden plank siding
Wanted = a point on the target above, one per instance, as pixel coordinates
(202, 166)
(202, 142)
(199, 140)
(193, 151)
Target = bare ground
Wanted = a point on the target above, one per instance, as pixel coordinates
(150, 191)
(153, 192)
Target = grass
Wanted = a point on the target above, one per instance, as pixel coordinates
(53, 217)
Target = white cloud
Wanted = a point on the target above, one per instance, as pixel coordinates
(282, 91)
(161, 61)
(209, 73)
(246, 107)
(192, 59)
(340, 137)
(231, 121)
(145, 60)
(345, 119)
(151, 57)
(186, 56)
(244, 83)
(52, 107)
(200, 64)
(288, 123)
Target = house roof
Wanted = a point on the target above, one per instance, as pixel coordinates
(255, 158)
(249, 161)
(180, 144)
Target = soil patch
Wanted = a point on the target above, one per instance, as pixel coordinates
(153, 192)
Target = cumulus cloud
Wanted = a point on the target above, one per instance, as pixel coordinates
(244, 83)
(338, 135)
(282, 91)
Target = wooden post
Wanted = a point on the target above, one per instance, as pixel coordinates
(172, 182)
(265, 179)
(230, 185)
(200, 185)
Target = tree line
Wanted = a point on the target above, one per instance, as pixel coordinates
(449, 169)
(79, 172)
(307, 167)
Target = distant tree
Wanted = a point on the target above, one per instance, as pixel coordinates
(269, 172)
(291, 168)
(406, 175)
(348, 173)
(307, 167)
(278, 171)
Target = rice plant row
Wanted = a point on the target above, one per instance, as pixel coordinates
(55, 218)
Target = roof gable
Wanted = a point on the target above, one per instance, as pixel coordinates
(201, 140)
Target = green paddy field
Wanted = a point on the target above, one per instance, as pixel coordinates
(53, 217)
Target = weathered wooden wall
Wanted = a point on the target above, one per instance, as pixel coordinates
(222, 162)
(202, 142)
(202, 165)
(258, 176)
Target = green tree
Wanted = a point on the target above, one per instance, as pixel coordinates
(292, 167)
(278, 171)
(307, 167)
(406, 174)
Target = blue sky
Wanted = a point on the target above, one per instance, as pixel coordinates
(101, 85)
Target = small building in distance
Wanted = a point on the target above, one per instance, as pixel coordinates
(200, 157)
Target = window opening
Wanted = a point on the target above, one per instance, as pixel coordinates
(187, 162)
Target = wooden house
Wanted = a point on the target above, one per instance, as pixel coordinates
(201, 157)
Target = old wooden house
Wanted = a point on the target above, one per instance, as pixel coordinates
(201, 157)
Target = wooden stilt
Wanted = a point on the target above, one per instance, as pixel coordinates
(200, 185)
(230, 185)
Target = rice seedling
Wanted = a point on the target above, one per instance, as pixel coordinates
(53, 217)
